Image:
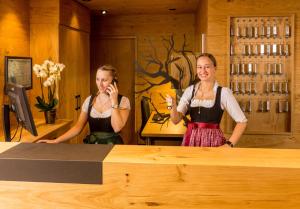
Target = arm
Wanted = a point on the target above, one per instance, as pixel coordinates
(233, 108)
(174, 114)
(119, 118)
(237, 132)
(74, 131)
(177, 112)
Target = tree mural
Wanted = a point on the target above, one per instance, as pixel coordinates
(177, 68)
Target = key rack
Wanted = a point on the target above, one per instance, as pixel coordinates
(261, 66)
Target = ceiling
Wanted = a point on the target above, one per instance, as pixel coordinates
(127, 7)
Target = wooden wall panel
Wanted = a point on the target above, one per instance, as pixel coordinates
(217, 17)
(43, 39)
(148, 29)
(74, 15)
(74, 50)
(51, 37)
(31, 28)
(14, 37)
(200, 24)
(46, 11)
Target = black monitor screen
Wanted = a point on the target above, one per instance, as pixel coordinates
(20, 105)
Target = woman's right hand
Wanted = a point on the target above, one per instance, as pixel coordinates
(169, 101)
(48, 141)
(172, 106)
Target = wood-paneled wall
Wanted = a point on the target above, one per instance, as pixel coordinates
(45, 39)
(32, 28)
(217, 17)
(74, 52)
(201, 24)
(75, 16)
(14, 37)
(44, 42)
(148, 29)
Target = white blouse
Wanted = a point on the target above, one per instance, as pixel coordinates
(124, 104)
(228, 102)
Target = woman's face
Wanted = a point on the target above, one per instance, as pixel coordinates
(205, 69)
(103, 79)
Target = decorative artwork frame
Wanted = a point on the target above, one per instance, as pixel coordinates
(18, 70)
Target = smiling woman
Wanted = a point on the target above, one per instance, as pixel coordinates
(205, 101)
(106, 112)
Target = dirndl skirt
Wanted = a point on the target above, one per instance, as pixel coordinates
(200, 134)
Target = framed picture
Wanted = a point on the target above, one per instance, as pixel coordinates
(18, 70)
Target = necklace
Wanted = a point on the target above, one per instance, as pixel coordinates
(102, 103)
(200, 95)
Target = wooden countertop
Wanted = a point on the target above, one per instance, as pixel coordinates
(166, 177)
(242, 157)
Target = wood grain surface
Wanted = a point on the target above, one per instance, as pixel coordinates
(173, 177)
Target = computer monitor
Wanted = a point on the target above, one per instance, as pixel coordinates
(20, 105)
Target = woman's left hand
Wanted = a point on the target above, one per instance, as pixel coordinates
(112, 90)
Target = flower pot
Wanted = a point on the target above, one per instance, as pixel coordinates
(50, 116)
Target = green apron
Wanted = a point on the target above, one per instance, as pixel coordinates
(103, 138)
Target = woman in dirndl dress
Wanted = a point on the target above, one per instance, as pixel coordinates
(206, 101)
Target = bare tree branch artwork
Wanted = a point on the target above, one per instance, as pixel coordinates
(177, 68)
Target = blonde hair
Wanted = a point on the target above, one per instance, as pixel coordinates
(111, 69)
(113, 72)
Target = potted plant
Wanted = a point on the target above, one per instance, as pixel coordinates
(49, 75)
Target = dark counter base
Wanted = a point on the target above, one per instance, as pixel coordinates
(59, 163)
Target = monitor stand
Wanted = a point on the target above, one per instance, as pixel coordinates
(6, 122)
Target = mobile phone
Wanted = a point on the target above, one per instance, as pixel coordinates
(113, 82)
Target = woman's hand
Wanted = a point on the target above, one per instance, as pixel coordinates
(48, 141)
(113, 91)
(172, 106)
(169, 101)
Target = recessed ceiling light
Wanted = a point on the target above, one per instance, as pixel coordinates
(103, 12)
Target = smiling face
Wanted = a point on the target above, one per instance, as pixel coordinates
(205, 69)
(103, 79)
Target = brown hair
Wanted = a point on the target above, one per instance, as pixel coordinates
(111, 69)
(209, 56)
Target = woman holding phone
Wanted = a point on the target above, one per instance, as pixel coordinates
(106, 112)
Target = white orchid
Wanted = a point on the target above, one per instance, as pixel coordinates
(50, 81)
(49, 63)
(39, 71)
(49, 74)
(53, 69)
(60, 66)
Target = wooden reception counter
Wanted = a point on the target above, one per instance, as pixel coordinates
(172, 177)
